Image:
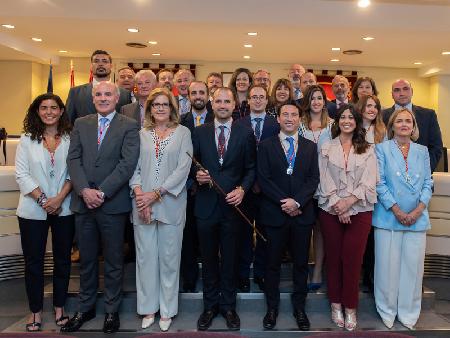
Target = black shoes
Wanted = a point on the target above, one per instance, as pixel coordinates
(78, 320)
(189, 287)
(270, 319)
(260, 282)
(232, 318)
(205, 319)
(302, 320)
(111, 323)
(244, 285)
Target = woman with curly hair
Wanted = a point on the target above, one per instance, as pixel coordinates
(240, 82)
(282, 93)
(41, 173)
(347, 194)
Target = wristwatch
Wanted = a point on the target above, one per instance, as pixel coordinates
(102, 195)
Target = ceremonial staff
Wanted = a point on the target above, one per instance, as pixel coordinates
(213, 184)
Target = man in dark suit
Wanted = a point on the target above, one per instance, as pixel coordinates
(214, 80)
(126, 80)
(199, 115)
(429, 130)
(262, 126)
(182, 80)
(294, 75)
(103, 153)
(79, 101)
(145, 82)
(288, 176)
(341, 88)
(228, 154)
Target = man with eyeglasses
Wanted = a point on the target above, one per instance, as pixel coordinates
(227, 152)
(79, 101)
(183, 79)
(263, 126)
(262, 78)
(294, 74)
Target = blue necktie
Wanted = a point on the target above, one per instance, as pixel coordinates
(258, 121)
(290, 156)
(102, 130)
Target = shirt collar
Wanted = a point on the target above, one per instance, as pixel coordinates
(283, 136)
(217, 124)
(110, 116)
(95, 82)
(202, 114)
(261, 115)
(408, 106)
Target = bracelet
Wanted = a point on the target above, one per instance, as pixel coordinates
(42, 199)
(158, 194)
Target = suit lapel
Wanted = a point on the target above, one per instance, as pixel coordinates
(399, 161)
(137, 113)
(231, 143)
(211, 139)
(280, 151)
(88, 93)
(109, 134)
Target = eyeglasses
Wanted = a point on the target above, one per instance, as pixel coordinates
(262, 79)
(256, 98)
(160, 105)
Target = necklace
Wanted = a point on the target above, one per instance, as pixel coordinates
(404, 149)
(51, 151)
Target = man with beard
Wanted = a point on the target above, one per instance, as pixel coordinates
(79, 101)
(125, 80)
(183, 79)
(228, 155)
(294, 74)
(145, 82)
(164, 78)
(341, 88)
(199, 115)
(263, 126)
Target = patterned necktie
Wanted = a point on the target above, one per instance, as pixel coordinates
(184, 105)
(221, 140)
(258, 121)
(104, 123)
(290, 153)
(198, 118)
(297, 93)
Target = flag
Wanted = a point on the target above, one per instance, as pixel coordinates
(72, 75)
(91, 75)
(50, 80)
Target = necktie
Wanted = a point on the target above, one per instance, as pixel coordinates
(297, 93)
(290, 153)
(258, 121)
(184, 106)
(198, 118)
(104, 122)
(221, 140)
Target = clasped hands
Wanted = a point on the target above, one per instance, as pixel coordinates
(144, 202)
(234, 197)
(289, 206)
(92, 198)
(341, 209)
(408, 219)
(53, 205)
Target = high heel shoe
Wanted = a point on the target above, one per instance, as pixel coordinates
(34, 326)
(337, 316)
(350, 319)
(61, 320)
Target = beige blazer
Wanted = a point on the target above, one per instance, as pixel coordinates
(173, 172)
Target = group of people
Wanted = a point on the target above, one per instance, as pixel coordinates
(183, 168)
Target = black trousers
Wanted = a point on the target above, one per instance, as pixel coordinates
(91, 228)
(219, 232)
(33, 235)
(190, 248)
(298, 240)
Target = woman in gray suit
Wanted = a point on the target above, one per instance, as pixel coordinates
(159, 207)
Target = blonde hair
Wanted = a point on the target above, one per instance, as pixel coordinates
(390, 132)
(174, 117)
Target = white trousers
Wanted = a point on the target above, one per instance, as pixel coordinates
(158, 253)
(399, 260)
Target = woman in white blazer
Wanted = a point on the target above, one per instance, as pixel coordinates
(401, 220)
(41, 173)
(159, 208)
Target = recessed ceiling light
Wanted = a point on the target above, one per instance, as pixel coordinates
(363, 3)
(368, 38)
(246, 56)
(133, 30)
(335, 49)
(36, 39)
(334, 60)
(153, 42)
(8, 26)
(247, 45)
(156, 54)
(252, 33)
(446, 53)
(417, 63)
(62, 51)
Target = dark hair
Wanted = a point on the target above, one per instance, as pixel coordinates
(232, 83)
(359, 134)
(257, 86)
(306, 106)
(379, 127)
(162, 71)
(289, 103)
(203, 83)
(99, 51)
(32, 123)
(281, 82)
(358, 82)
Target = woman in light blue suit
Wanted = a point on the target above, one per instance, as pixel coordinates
(401, 220)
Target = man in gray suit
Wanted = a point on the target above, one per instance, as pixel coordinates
(79, 101)
(145, 81)
(103, 153)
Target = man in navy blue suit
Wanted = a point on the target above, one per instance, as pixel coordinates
(288, 175)
(429, 130)
(262, 126)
